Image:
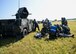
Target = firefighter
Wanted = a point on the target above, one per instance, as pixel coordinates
(35, 25)
(64, 25)
(46, 26)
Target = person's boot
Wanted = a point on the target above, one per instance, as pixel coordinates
(73, 36)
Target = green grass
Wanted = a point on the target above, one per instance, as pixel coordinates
(30, 45)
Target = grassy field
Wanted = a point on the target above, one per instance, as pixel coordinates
(30, 45)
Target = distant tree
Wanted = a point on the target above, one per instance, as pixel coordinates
(55, 20)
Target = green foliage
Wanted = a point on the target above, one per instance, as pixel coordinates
(30, 45)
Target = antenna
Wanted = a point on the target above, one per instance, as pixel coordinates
(18, 4)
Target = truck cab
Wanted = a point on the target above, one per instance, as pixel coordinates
(16, 27)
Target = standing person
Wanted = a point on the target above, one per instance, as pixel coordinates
(35, 24)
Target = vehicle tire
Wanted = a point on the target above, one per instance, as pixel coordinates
(21, 34)
(24, 32)
(4, 36)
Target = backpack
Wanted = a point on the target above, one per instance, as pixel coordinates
(52, 32)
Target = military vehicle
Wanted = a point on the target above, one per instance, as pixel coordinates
(16, 27)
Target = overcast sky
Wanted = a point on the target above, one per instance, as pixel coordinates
(40, 9)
